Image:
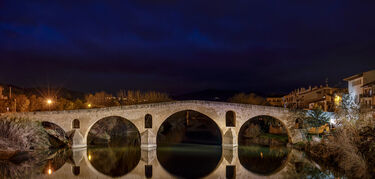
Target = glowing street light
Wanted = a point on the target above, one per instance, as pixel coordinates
(89, 105)
(337, 100)
(49, 171)
(49, 102)
(89, 157)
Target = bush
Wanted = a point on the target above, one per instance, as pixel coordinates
(22, 134)
(351, 143)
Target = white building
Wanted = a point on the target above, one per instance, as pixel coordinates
(358, 87)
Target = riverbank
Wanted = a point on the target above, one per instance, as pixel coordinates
(18, 137)
(351, 153)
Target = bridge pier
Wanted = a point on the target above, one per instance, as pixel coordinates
(148, 140)
(77, 139)
(230, 139)
(230, 156)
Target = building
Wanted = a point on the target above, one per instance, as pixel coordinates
(275, 101)
(325, 97)
(361, 87)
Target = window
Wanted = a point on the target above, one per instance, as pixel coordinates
(75, 124)
(230, 119)
(148, 121)
(356, 82)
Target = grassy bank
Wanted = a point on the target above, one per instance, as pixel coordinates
(22, 135)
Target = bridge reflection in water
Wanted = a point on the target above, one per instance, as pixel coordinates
(178, 162)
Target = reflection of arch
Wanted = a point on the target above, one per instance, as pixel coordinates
(76, 124)
(203, 158)
(230, 119)
(56, 160)
(113, 161)
(185, 118)
(101, 125)
(264, 161)
(277, 126)
(148, 121)
(148, 171)
(230, 171)
(76, 170)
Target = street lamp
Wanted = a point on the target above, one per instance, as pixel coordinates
(49, 102)
(89, 105)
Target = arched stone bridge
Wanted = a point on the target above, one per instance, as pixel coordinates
(82, 120)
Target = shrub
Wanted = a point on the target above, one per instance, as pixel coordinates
(22, 134)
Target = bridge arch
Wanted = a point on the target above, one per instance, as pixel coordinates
(129, 123)
(52, 125)
(280, 123)
(185, 127)
(58, 136)
(189, 114)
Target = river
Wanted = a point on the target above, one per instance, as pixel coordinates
(168, 161)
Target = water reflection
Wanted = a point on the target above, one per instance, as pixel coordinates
(180, 161)
(34, 164)
(189, 160)
(263, 160)
(56, 160)
(114, 161)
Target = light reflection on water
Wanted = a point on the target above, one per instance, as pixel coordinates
(263, 160)
(182, 161)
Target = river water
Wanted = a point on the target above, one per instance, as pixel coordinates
(172, 161)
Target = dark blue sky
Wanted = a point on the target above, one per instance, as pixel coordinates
(180, 46)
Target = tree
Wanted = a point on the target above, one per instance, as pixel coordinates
(78, 104)
(99, 99)
(137, 97)
(317, 117)
(36, 103)
(64, 104)
(251, 98)
(22, 103)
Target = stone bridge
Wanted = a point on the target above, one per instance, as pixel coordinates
(82, 120)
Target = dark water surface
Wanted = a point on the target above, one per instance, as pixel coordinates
(172, 161)
(189, 160)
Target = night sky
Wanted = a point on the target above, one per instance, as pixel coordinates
(180, 46)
